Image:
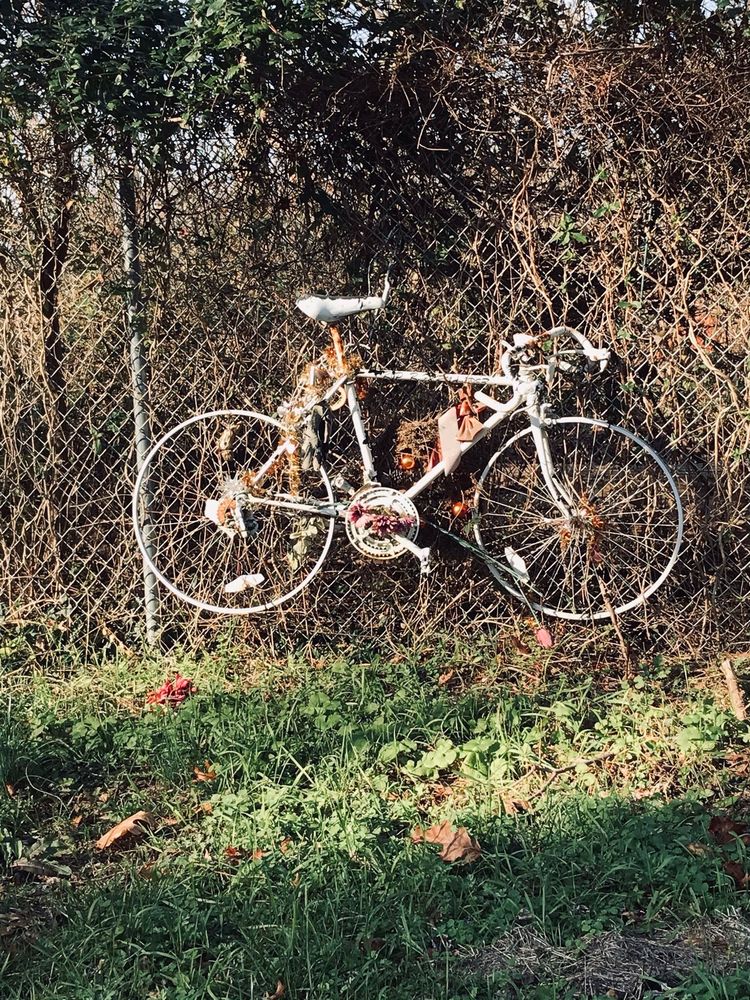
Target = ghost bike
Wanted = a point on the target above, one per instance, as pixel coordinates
(235, 513)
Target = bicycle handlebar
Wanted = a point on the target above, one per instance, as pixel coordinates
(596, 355)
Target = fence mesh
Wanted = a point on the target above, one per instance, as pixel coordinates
(601, 186)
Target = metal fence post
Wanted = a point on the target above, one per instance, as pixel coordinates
(135, 320)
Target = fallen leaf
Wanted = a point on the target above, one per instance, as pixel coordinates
(738, 873)
(278, 992)
(10, 789)
(104, 797)
(132, 825)
(724, 830)
(544, 638)
(456, 845)
(206, 807)
(446, 677)
(258, 854)
(513, 806)
(698, 849)
(285, 844)
(207, 774)
(233, 853)
(519, 645)
(172, 693)
(76, 822)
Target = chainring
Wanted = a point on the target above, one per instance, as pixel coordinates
(382, 498)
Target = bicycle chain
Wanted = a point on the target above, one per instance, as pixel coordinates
(487, 559)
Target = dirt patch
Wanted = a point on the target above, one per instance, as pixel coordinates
(616, 964)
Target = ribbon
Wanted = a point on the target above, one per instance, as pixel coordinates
(458, 424)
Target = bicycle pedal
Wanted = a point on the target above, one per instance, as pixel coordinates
(517, 564)
(245, 582)
(425, 563)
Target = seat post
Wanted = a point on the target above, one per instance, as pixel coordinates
(338, 347)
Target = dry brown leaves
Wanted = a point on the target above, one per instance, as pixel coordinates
(738, 874)
(133, 826)
(237, 854)
(206, 774)
(456, 845)
(724, 830)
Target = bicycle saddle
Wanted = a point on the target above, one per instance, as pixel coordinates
(327, 310)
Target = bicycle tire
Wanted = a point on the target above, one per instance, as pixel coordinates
(626, 494)
(183, 548)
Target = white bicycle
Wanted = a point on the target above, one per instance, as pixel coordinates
(580, 519)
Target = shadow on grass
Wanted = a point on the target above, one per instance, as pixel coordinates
(316, 793)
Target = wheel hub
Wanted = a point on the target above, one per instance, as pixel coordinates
(375, 519)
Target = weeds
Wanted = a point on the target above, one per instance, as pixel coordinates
(283, 801)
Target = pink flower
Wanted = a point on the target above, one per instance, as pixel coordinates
(381, 522)
(172, 693)
(544, 638)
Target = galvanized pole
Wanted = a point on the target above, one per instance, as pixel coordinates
(136, 326)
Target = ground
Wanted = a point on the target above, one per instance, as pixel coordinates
(598, 828)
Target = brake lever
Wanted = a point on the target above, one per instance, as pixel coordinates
(598, 359)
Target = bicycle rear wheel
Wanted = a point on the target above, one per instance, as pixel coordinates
(625, 533)
(214, 539)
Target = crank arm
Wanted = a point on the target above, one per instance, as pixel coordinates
(422, 554)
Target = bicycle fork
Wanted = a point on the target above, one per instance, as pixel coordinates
(559, 495)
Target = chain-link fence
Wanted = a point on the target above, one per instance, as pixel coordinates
(605, 187)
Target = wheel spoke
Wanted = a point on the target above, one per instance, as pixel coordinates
(192, 555)
(612, 476)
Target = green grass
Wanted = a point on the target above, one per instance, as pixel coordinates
(591, 802)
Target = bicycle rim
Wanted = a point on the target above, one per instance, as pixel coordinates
(624, 539)
(209, 458)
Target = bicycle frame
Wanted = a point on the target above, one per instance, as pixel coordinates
(525, 395)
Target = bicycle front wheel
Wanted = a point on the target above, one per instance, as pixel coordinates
(622, 537)
(212, 536)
